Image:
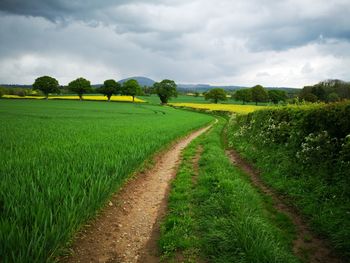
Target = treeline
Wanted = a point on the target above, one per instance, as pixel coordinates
(304, 152)
(18, 91)
(255, 94)
(260, 94)
(45, 85)
(331, 90)
(326, 91)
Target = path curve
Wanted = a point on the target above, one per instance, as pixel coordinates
(122, 231)
(308, 246)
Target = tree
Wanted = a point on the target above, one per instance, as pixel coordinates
(80, 86)
(310, 97)
(2, 91)
(110, 87)
(216, 95)
(131, 88)
(46, 85)
(147, 90)
(244, 95)
(165, 90)
(333, 97)
(277, 95)
(328, 90)
(343, 90)
(259, 94)
(319, 91)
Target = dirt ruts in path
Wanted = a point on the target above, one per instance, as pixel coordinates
(307, 245)
(126, 230)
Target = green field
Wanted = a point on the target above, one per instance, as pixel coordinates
(61, 160)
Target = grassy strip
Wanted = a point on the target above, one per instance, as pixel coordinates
(177, 231)
(221, 218)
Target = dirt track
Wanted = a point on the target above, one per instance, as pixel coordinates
(308, 246)
(126, 230)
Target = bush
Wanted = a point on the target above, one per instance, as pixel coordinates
(2, 91)
(314, 134)
(22, 92)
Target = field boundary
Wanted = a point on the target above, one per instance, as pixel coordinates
(124, 228)
(215, 214)
(308, 246)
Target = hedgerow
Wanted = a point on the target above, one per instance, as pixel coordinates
(305, 153)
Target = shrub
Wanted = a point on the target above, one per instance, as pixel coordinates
(2, 91)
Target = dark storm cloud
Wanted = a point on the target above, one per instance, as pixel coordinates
(291, 34)
(291, 41)
(267, 25)
(53, 9)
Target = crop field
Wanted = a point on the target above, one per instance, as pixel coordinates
(220, 107)
(61, 160)
(86, 97)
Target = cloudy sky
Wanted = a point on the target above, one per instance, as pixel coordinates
(242, 42)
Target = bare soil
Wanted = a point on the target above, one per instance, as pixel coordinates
(127, 229)
(308, 246)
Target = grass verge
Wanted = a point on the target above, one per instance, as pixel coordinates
(219, 217)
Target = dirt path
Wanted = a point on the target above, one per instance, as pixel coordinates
(307, 245)
(127, 229)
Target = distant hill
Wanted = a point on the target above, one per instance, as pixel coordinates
(143, 81)
(16, 86)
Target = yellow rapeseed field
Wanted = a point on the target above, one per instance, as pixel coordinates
(220, 107)
(20, 97)
(92, 97)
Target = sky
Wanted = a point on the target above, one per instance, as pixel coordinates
(285, 43)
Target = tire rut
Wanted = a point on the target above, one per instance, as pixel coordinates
(307, 246)
(127, 229)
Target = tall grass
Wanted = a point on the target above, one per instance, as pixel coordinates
(220, 217)
(61, 160)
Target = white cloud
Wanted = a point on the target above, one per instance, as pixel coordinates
(224, 42)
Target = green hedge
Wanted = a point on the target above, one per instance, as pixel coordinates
(317, 138)
(304, 152)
